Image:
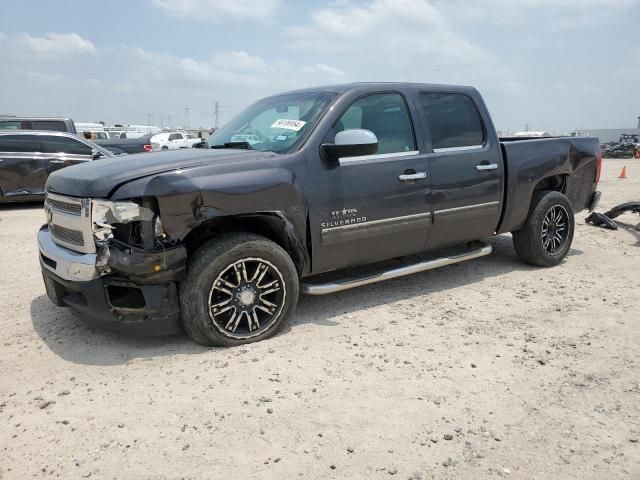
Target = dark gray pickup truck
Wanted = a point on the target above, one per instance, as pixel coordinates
(316, 190)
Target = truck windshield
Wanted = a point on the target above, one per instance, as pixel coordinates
(275, 124)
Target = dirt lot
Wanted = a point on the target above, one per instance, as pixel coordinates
(481, 370)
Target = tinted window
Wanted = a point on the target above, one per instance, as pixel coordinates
(51, 144)
(175, 136)
(53, 125)
(17, 143)
(10, 125)
(453, 120)
(386, 115)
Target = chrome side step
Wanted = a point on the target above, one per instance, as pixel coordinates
(347, 283)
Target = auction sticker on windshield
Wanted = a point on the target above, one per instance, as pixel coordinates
(294, 125)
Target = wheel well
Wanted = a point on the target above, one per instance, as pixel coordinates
(273, 227)
(557, 183)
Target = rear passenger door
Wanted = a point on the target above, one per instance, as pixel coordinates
(60, 151)
(22, 170)
(465, 166)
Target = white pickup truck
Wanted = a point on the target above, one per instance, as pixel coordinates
(173, 140)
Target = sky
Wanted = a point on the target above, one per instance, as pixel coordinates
(555, 65)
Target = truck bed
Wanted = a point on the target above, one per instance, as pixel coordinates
(529, 162)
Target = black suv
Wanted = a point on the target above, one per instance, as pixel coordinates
(27, 157)
(56, 124)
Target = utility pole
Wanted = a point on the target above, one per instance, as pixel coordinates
(186, 117)
(526, 127)
(169, 121)
(217, 116)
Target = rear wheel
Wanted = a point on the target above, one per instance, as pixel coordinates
(547, 234)
(240, 288)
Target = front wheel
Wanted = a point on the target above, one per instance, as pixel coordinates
(240, 288)
(547, 234)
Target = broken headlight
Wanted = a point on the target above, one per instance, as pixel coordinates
(105, 213)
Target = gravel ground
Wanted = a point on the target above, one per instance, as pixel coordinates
(481, 370)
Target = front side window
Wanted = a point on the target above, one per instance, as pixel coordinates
(18, 143)
(386, 115)
(52, 125)
(54, 144)
(453, 120)
(275, 124)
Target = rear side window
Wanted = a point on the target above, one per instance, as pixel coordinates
(453, 120)
(10, 125)
(175, 136)
(53, 144)
(18, 143)
(52, 125)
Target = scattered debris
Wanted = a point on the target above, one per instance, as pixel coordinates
(606, 219)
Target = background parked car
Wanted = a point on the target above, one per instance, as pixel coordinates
(56, 124)
(127, 145)
(27, 157)
(174, 140)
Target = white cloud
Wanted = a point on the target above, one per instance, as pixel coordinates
(57, 44)
(133, 81)
(327, 71)
(236, 69)
(46, 77)
(407, 40)
(215, 9)
(389, 32)
(566, 13)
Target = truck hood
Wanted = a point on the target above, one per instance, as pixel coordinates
(97, 179)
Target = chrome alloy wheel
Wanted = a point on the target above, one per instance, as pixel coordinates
(247, 298)
(555, 230)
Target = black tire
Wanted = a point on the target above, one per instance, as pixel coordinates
(164, 148)
(547, 234)
(216, 312)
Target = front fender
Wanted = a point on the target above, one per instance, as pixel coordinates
(187, 198)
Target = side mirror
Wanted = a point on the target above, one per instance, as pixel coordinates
(95, 154)
(352, 143)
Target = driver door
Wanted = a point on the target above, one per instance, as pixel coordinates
(372, 207)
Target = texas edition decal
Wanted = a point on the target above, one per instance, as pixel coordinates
(346, 216)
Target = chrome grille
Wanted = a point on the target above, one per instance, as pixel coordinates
(69, 220)
(65, 207)
(67, 235)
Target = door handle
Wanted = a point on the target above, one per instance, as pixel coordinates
(410, 177)
(486, 166)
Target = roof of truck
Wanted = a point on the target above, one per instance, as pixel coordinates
(373, 86)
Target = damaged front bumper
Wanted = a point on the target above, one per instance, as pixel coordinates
(139, 294)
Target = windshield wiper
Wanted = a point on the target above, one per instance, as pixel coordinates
(239, 145)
